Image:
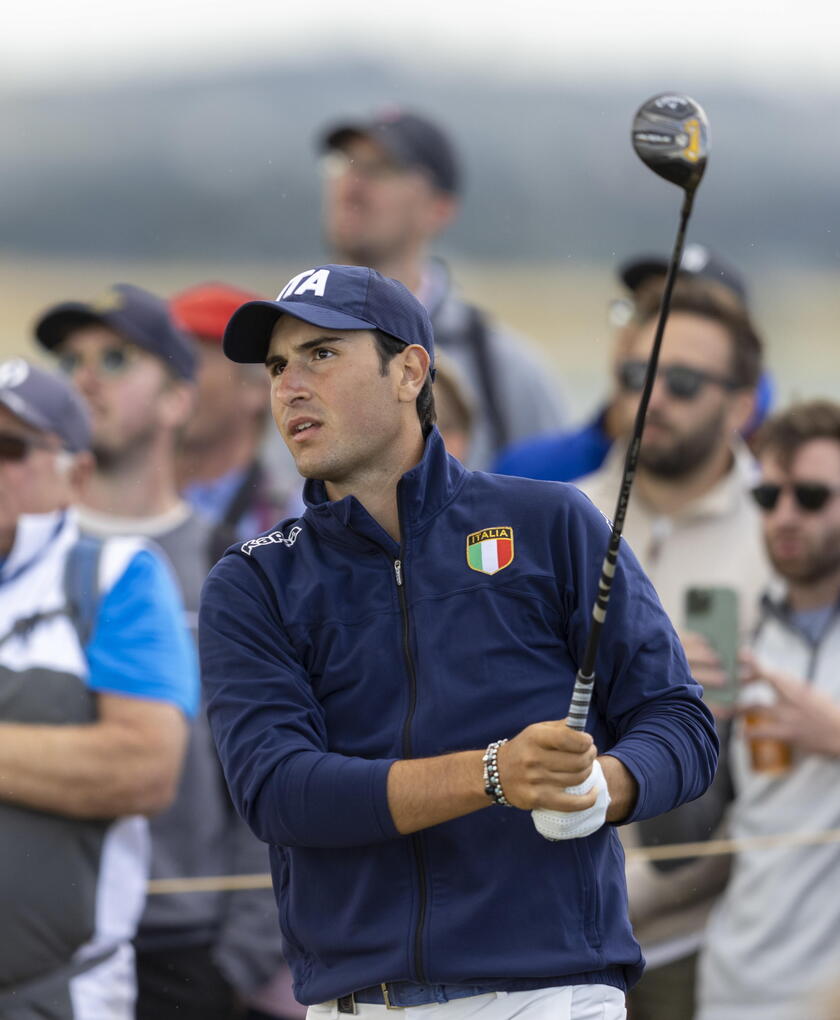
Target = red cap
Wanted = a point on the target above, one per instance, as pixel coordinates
(206, 309)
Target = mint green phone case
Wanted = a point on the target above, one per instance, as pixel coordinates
(713, 613)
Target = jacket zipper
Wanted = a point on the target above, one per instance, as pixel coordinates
(407, 753)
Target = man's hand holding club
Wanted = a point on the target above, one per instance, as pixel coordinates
(555, 772)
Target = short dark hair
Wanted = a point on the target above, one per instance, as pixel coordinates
(695, 298)
(787, 431)
(387, 347)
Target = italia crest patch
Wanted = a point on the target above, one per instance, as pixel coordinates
(490, 550)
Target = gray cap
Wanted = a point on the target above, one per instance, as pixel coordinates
(46, 402)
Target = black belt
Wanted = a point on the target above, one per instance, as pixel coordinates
(399, 994)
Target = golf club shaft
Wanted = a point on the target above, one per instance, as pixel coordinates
(584, 680)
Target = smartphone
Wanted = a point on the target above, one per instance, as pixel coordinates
(713, 613)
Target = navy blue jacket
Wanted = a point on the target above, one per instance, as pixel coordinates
(329, 652)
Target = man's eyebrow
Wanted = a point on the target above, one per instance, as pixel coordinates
(307, 345)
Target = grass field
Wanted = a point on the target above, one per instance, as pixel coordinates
(561, 308)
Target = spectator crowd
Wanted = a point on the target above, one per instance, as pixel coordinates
(134, 457)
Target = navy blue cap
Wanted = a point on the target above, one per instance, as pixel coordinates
(46, 402)
(138, 316)
(697, 260)
(334, 297)
(412, 140)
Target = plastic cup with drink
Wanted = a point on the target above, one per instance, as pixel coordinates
(768, 755)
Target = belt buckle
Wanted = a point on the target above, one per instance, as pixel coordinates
(347, 1004)
(386, 996)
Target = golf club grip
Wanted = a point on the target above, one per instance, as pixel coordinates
(585, 678)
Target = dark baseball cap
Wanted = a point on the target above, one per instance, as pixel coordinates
(45, 401)
(697, 260)
(334, 297)
(411, 140)
(138, 316)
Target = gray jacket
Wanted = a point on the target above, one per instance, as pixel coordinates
(772, 940)
(512, 392)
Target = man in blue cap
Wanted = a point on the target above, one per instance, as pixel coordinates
(366, 663)
(97, 678)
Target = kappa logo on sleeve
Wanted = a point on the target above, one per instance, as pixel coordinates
(490, 550)
(274, 538)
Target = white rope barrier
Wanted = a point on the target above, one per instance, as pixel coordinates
(669, 852)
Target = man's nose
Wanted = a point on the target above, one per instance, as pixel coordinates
(786, 508)
(84, 377)
(659, 393)
(290, 385)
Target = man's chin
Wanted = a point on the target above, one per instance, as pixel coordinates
(309, 468)
(663, 462)
(803, 569)
(107, 457)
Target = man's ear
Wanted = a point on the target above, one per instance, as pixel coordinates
(441, 212)
(741, 408)
(81, 472)
(177, 403)
(413, 372)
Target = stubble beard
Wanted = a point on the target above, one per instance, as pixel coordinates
(817, 564)
(686, 454)
(350, 249)
(116, 459)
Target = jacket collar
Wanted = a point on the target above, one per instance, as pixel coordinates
(422, 493)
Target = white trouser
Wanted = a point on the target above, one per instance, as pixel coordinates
(571, 1002)
(107, 991)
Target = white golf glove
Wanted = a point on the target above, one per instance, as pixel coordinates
(556, 825)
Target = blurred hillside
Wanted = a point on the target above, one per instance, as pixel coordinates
(213, 175)
(224, 163)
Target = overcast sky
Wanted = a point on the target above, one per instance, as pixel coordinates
(765, 42)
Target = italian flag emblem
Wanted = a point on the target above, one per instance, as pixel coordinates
(490, 550)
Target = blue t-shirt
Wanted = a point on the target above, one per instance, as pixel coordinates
(814, 622)
(140, 645)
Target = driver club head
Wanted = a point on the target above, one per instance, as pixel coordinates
(671, 136)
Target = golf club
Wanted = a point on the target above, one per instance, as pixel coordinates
(671, 136)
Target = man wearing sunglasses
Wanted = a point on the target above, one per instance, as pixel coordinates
(692, 523)
(771, 962)
(198, 955)
(392, 185)
(568, 456)
(97, 678)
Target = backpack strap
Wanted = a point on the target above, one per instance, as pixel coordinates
(81, 585)
(477, 338)
(224, 533)
(81, 593)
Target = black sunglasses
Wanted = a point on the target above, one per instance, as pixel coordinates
(683, 382)
(15, 447)
(809, 496)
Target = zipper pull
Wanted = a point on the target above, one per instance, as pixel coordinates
(398, 572)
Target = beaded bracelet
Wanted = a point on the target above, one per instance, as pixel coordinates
(492, 783)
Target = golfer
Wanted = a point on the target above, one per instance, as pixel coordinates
(388, 677)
